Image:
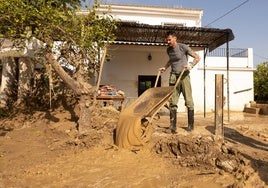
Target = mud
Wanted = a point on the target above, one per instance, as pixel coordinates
(134, 127)
(43, 149)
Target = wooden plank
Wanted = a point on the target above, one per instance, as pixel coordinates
(219, 98)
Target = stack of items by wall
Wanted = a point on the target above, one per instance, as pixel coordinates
(107, 90)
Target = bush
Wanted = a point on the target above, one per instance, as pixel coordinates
(261, 82)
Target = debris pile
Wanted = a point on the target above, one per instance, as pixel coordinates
(107, 90)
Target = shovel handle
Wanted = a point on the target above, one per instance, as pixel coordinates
(178, 80)
(157, 78)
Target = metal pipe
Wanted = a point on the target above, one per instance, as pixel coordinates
(228, 92)
(205, 54)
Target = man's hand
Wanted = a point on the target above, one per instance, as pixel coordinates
(188, 67)
(162, 69)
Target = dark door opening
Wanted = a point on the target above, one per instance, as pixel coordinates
(146, 82)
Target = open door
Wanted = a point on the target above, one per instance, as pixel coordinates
(147, 81)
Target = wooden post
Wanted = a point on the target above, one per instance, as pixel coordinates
(101, 67)
(219, 106)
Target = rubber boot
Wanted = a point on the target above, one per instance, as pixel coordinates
(190, 120)
(173, 121)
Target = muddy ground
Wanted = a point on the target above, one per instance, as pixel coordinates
(43, 149)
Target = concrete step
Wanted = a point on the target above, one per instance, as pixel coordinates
(251, 110)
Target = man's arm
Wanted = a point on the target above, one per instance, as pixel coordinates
(196, 58)
(163, 69)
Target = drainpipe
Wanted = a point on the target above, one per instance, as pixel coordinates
(228, 92)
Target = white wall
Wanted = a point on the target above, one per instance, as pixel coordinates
(129, 61)
(154, 15)
(241, 83)
(240, 89)
(156, 21)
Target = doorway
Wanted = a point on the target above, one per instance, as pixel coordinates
(147, 81)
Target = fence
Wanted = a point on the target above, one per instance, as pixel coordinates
(233, 52)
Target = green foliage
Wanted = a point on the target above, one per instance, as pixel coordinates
(261, 82)
(57, 20)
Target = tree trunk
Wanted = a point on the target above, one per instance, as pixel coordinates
(79, 88)
(85, 108)
(84, 91)
(9, 82)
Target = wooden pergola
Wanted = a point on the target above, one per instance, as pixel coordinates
(132, 33)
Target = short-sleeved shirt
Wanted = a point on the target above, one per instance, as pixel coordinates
(178, 57)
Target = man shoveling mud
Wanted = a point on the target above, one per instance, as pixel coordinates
(132, 130)
(178, 60)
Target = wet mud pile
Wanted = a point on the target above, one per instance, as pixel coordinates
(209, 155)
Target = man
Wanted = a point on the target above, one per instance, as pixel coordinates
(178, 60)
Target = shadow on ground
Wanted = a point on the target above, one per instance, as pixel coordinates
(235, 137)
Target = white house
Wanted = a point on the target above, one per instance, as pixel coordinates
(140, 50)
(134, 61)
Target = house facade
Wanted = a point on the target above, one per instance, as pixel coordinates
(132, 67)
